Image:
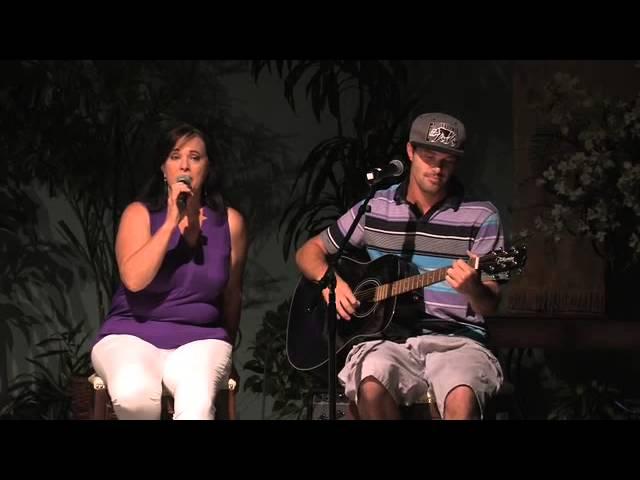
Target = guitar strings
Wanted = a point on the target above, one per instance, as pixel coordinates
(369, 294)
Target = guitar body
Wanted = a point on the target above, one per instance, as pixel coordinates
(307, 339)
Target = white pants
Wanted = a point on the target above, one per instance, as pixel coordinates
(135, 370)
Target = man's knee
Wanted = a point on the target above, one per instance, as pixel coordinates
(461, 394)
(375, 402)
(371, 390)
(461, 402)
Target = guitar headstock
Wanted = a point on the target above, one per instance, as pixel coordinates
(501, 265)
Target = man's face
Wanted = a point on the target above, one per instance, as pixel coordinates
(430, 169)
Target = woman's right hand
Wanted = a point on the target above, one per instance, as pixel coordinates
(174, 215)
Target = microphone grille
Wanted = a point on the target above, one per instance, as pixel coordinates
(186, 179)
(398, 166)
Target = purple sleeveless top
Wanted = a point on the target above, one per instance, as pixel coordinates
(183, 303)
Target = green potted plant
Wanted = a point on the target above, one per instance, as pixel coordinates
(273, 375)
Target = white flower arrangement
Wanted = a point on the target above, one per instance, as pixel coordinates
(591, 167)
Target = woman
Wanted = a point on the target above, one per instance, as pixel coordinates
(173, 320)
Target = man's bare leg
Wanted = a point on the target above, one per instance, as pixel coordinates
(375, 402)
(461, 404)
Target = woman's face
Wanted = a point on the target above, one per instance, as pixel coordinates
(188, 157)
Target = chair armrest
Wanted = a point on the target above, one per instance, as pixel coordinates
(97, 382)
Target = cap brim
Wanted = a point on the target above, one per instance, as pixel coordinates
(440, 148)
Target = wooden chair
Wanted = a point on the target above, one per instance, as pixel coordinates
(102, 409)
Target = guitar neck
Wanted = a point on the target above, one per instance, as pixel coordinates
(414, 282)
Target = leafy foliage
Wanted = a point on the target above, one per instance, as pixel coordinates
(331, 179)
(589, 156)
(29, 263)
(273, 374)
(45, 394)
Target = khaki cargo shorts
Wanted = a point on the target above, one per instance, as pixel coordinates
(409, 369)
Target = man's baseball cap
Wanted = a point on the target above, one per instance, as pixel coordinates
(438, 131)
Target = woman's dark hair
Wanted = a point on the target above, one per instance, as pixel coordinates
(154, 193)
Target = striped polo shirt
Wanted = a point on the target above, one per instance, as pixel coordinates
(430, 241)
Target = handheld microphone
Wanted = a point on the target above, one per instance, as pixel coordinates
(183, 197)
(394, 168)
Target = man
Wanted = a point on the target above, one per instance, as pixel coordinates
(426, 220)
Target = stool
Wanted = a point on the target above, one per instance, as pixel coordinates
(424, 409)
(318, 408)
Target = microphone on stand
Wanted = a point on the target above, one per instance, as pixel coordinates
(394, 168)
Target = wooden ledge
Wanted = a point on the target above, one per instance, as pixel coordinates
(563, 332)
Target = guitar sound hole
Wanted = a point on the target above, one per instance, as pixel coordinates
(367, 305)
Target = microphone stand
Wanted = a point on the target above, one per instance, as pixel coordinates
(329, 280)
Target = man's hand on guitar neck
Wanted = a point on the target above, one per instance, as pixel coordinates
(463, 277)
(346, 302)
(483, 296)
